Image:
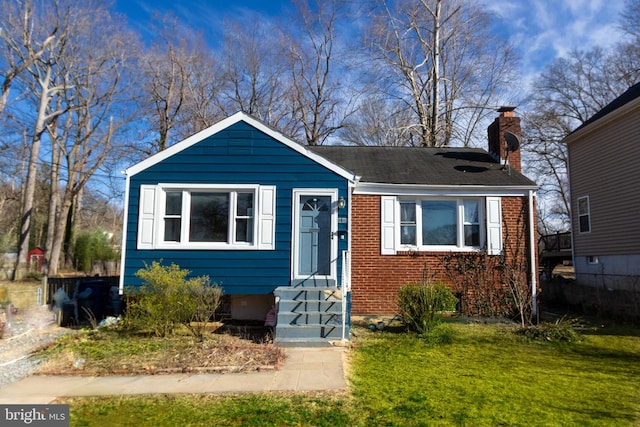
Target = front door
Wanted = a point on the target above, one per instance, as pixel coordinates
(314, 252)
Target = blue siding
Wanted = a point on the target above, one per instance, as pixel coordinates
(239, 154)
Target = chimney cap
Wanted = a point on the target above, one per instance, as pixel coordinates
(506, 109)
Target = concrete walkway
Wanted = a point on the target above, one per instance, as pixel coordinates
(305, 369)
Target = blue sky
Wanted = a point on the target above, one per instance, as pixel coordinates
(541, 29)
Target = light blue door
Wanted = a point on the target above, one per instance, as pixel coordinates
(314, 239)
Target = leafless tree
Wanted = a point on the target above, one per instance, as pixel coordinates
(43, 87)
(255, 73)
(203, 87)
(165, 69)
(98, 88)
(379, 122)
(24, 40)
(316, 98)
(630, 18)
(442, 60)
(70, 90)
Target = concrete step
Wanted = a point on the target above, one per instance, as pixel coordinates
(298, 294)
(309, 318)
(330, 307)
(309, 332)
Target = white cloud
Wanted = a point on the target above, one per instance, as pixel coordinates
(543, 30)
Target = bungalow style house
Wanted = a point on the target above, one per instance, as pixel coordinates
(322, 233)
(603, 178)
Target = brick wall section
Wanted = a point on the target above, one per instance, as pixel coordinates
(376, 278)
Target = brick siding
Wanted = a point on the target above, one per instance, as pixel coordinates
(377, 278)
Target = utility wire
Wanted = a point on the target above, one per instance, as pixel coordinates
(65, 167)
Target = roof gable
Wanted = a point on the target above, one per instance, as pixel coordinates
(226, 123)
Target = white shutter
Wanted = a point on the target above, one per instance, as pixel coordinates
(388, 226)
(267, 217)
(146, 216)
(494, 226)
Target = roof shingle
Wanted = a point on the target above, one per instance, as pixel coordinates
(423, 166)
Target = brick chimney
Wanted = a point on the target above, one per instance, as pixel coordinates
(505, 122)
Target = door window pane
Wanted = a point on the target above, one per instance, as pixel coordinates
(439, 222)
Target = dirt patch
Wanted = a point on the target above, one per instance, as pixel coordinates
(110, 353)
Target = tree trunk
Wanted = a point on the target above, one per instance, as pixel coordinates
(30, 185)
(435, 105)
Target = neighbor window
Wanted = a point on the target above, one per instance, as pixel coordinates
(453, 223)
(584, 214)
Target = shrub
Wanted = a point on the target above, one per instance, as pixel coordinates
(167, 299)
(559, 331)
(421, 305)
(91, 246)
(440, 335)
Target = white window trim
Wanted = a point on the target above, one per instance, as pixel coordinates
(459, 247)
(151, 217)
(587, 214)
(490, 220)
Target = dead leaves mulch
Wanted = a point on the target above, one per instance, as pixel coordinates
(98, 353)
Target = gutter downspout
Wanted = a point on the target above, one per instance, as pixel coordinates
(346, 267)
(532, 257)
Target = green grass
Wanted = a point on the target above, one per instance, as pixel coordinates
(488, 376)
(235, 410)
(469, 374)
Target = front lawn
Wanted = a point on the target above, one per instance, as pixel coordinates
(469, 374)
(488, 376)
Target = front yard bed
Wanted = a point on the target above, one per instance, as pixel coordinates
(109, 352)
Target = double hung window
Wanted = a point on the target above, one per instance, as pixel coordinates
(442, 223)
(584, 214)
(209, 216)
(206, 217)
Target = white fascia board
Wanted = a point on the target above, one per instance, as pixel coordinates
(383, 189)
(229, 121)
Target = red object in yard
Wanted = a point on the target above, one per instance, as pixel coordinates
(35, 259)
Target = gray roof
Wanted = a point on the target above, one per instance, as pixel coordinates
(629, 95)
(423, 166)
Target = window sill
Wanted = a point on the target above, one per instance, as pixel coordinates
(205, 247)
(435, 251)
